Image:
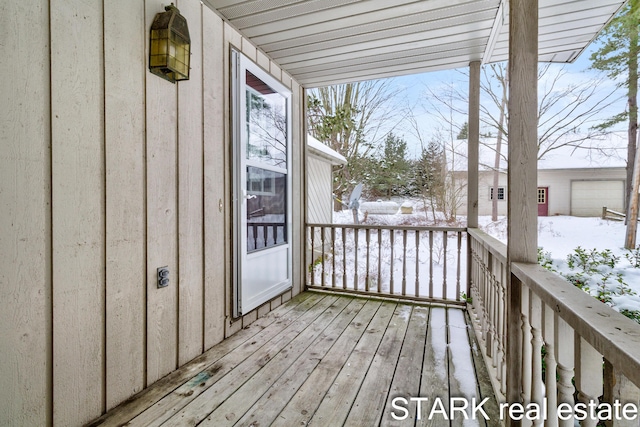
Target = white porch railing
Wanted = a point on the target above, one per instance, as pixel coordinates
(425, 263)
(569, 350)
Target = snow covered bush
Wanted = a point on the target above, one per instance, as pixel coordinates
(598, 273)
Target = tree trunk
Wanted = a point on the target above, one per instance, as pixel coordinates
(632, 217)
(496, 165)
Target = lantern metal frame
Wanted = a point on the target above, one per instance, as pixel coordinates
(170, 45)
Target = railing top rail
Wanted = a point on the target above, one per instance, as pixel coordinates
(493, 245)
(610, 333)
(389, 227)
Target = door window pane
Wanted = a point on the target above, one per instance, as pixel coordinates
(542, 196)
(266, 123)
(266, 209)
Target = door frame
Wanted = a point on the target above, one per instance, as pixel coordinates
(242, 304)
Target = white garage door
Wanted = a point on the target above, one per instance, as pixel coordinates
(588, 197)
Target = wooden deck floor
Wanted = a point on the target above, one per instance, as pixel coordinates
(322, 360)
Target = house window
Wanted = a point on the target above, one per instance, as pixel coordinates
(542, 196)
(501, 193)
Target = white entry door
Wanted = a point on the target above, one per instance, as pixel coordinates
(262, 185)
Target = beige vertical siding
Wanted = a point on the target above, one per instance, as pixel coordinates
(78, 193)
(108, 172)
(191, 197)
(25, 226)
(125, 199)
(319, 191)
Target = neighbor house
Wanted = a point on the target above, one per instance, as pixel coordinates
(572, 180)
(145, 223)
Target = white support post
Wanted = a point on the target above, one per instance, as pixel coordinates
(522, 182)
(474, 144)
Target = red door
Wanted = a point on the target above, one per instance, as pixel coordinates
(543, 201)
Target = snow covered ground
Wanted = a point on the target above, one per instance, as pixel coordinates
(587, 251)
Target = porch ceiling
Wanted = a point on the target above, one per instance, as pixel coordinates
(323, 42)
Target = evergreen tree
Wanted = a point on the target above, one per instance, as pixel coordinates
(464, 131)
(393, 169)
(430, 175)
(618, 57)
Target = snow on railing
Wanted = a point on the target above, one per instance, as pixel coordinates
(414, 262)
(571, 358)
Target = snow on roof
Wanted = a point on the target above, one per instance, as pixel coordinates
(323, 150)
(607, 151)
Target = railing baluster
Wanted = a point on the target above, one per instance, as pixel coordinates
(333, 257)
(313, 259)
(458, 267)
(344, 258)
(550, 382)
(535, 317)
(391, 238)
(366, 284)
(417, 293)
(265, 235)
(589, 376)
(489, 291)
(525, 393)
(430, 263)
(255, 236)
(444, 264)
(275, 234)
(404, 262)
(565, 358)
(322, 240)
(355, 262)
(379, 260)
(503, 326)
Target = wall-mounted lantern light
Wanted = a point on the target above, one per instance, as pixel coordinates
(170, 47)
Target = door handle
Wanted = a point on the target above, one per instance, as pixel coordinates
(248, 196)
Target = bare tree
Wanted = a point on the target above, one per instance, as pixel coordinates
(445, 103)
(498, 74)
(568, 109)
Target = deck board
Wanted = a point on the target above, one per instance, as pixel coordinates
(320, 360)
